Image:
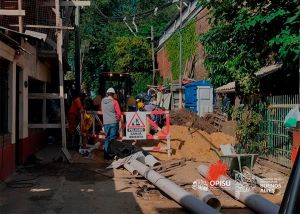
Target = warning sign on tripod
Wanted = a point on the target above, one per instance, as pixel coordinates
(136, 125)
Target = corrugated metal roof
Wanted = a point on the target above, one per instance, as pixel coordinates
(264, 71)
(228, 88)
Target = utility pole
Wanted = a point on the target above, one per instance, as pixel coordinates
(180, 58)
(77, 51)
(153, 56)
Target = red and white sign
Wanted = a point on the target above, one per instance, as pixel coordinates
(136, 125)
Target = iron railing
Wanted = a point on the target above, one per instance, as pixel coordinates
(276, 136)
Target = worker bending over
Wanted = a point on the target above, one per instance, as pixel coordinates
(74, 117)
(111, 117)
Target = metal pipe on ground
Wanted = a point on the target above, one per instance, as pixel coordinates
(249, 198)
(209, 198)
(184, 198)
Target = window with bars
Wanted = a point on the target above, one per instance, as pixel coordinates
(4, 66)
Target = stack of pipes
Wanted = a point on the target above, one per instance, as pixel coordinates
(206, 201)
(143, 164)
(249, 198)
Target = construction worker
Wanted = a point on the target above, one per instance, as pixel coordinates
(97, 103)
(74, 116)
(111, 117)
(140, 105)
(131, 104)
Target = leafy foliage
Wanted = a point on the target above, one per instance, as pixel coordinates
(141, 80)
(111, 45)
(130, 54)
(246, 35)
(189, 46)
(248, 120)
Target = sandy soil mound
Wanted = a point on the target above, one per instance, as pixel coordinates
(192, 143)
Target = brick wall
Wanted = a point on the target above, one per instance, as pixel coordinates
(200, 72)
(202, 26)
(164, 65)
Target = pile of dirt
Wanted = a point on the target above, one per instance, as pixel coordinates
(187, 142)
(190, 119)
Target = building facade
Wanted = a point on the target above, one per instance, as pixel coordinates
(200, 16)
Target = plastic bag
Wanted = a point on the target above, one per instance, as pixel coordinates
(291, 118)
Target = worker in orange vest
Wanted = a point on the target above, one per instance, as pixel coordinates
(74, 115)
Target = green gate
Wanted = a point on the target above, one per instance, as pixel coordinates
(277, 137)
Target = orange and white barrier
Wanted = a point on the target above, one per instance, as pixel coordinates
(133, 126)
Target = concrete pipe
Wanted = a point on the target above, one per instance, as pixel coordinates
(141, 159)
(267, 186)
(249, 198)
(263, 183)
(131, 169)
(151, 161)
(184, 198)
(209, 198)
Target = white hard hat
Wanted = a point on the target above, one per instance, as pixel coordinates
(111, 90)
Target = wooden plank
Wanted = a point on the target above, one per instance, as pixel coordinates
(6, 52)
(50, 27)
(67, 154)
(38, 35)
(283, 106)
(44, 115)
(44, 126)
(68, 4)
(12, 12)
(20, 18)
(43, 96)
(274, 166)
(59, 43)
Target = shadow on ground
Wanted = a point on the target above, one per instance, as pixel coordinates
(57, 187)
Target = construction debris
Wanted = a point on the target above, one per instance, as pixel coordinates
(237, 190)
(190, 119)
(178, 194)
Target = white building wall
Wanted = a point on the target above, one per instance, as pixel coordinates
(12, 101)
(30, 66)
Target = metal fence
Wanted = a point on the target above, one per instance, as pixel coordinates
(277, 138)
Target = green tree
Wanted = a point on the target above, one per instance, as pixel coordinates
(131, 54)
(246, 35)
(112, 46)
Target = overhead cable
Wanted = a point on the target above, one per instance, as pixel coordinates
(138, 15)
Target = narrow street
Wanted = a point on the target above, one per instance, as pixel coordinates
(149, 106)
(48, 185)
